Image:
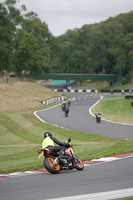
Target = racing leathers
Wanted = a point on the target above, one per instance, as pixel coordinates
(50, 142)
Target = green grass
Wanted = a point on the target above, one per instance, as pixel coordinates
(101, 86)
(118, 110)
(113, 96)
(21, 134)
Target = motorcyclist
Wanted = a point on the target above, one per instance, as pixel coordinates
(69, 102)
(64, 105)
(49, 142)
(66, 110)
(64, 101)
(98, 114)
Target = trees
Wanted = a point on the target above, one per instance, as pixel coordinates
(5, 39)
(10, 17)
(32, 51)
(26, 42)
(105, 47)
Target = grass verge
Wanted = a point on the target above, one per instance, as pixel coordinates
(118, 110)
(21, 134)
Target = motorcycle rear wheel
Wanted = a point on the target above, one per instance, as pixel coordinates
(66, 114)
(99, 121)
(52, 168)
(78, 164)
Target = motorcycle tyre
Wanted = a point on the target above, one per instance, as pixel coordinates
(66, 114)
(98, 120)
(79, 167)
(48, 165)
(63, 109)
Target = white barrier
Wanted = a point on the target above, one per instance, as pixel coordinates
(80, 90)
(52, 100)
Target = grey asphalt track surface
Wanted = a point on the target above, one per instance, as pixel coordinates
(79, 118)
(110, 176)
(99, 178)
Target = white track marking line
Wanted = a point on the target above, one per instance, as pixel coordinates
(101, 195)
(103, 118)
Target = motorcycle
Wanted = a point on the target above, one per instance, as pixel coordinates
(69, 103)
(63, 106)
(66, 111)
(98, 118)
(54, 164)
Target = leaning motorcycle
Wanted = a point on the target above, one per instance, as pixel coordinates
(98, 119)
(66, 111)
(54, 164)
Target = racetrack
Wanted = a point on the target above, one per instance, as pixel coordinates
(79, 118)
(112, 176)
(94, 180)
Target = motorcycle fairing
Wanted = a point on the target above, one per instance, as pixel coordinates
(69, 152)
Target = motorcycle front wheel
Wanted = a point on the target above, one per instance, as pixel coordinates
(78, 164)
(50, 166)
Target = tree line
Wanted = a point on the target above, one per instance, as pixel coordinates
(28, 45)
(105, 47)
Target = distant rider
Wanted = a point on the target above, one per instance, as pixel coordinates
(98, 114)
(69, 102)
(64, 105)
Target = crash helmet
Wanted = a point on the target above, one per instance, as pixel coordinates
(47, 134)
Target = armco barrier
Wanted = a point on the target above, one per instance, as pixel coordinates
(77, 90)
(128, 96)
(91, 91)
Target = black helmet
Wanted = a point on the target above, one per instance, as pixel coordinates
(47, 134)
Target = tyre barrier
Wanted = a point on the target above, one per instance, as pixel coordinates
(77, 90)
(91, 91)
(128, 96)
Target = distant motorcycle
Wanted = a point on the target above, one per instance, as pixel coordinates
(98, 118)
(54, 165)
(63, 106)
(66, 111)
(69, 102)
